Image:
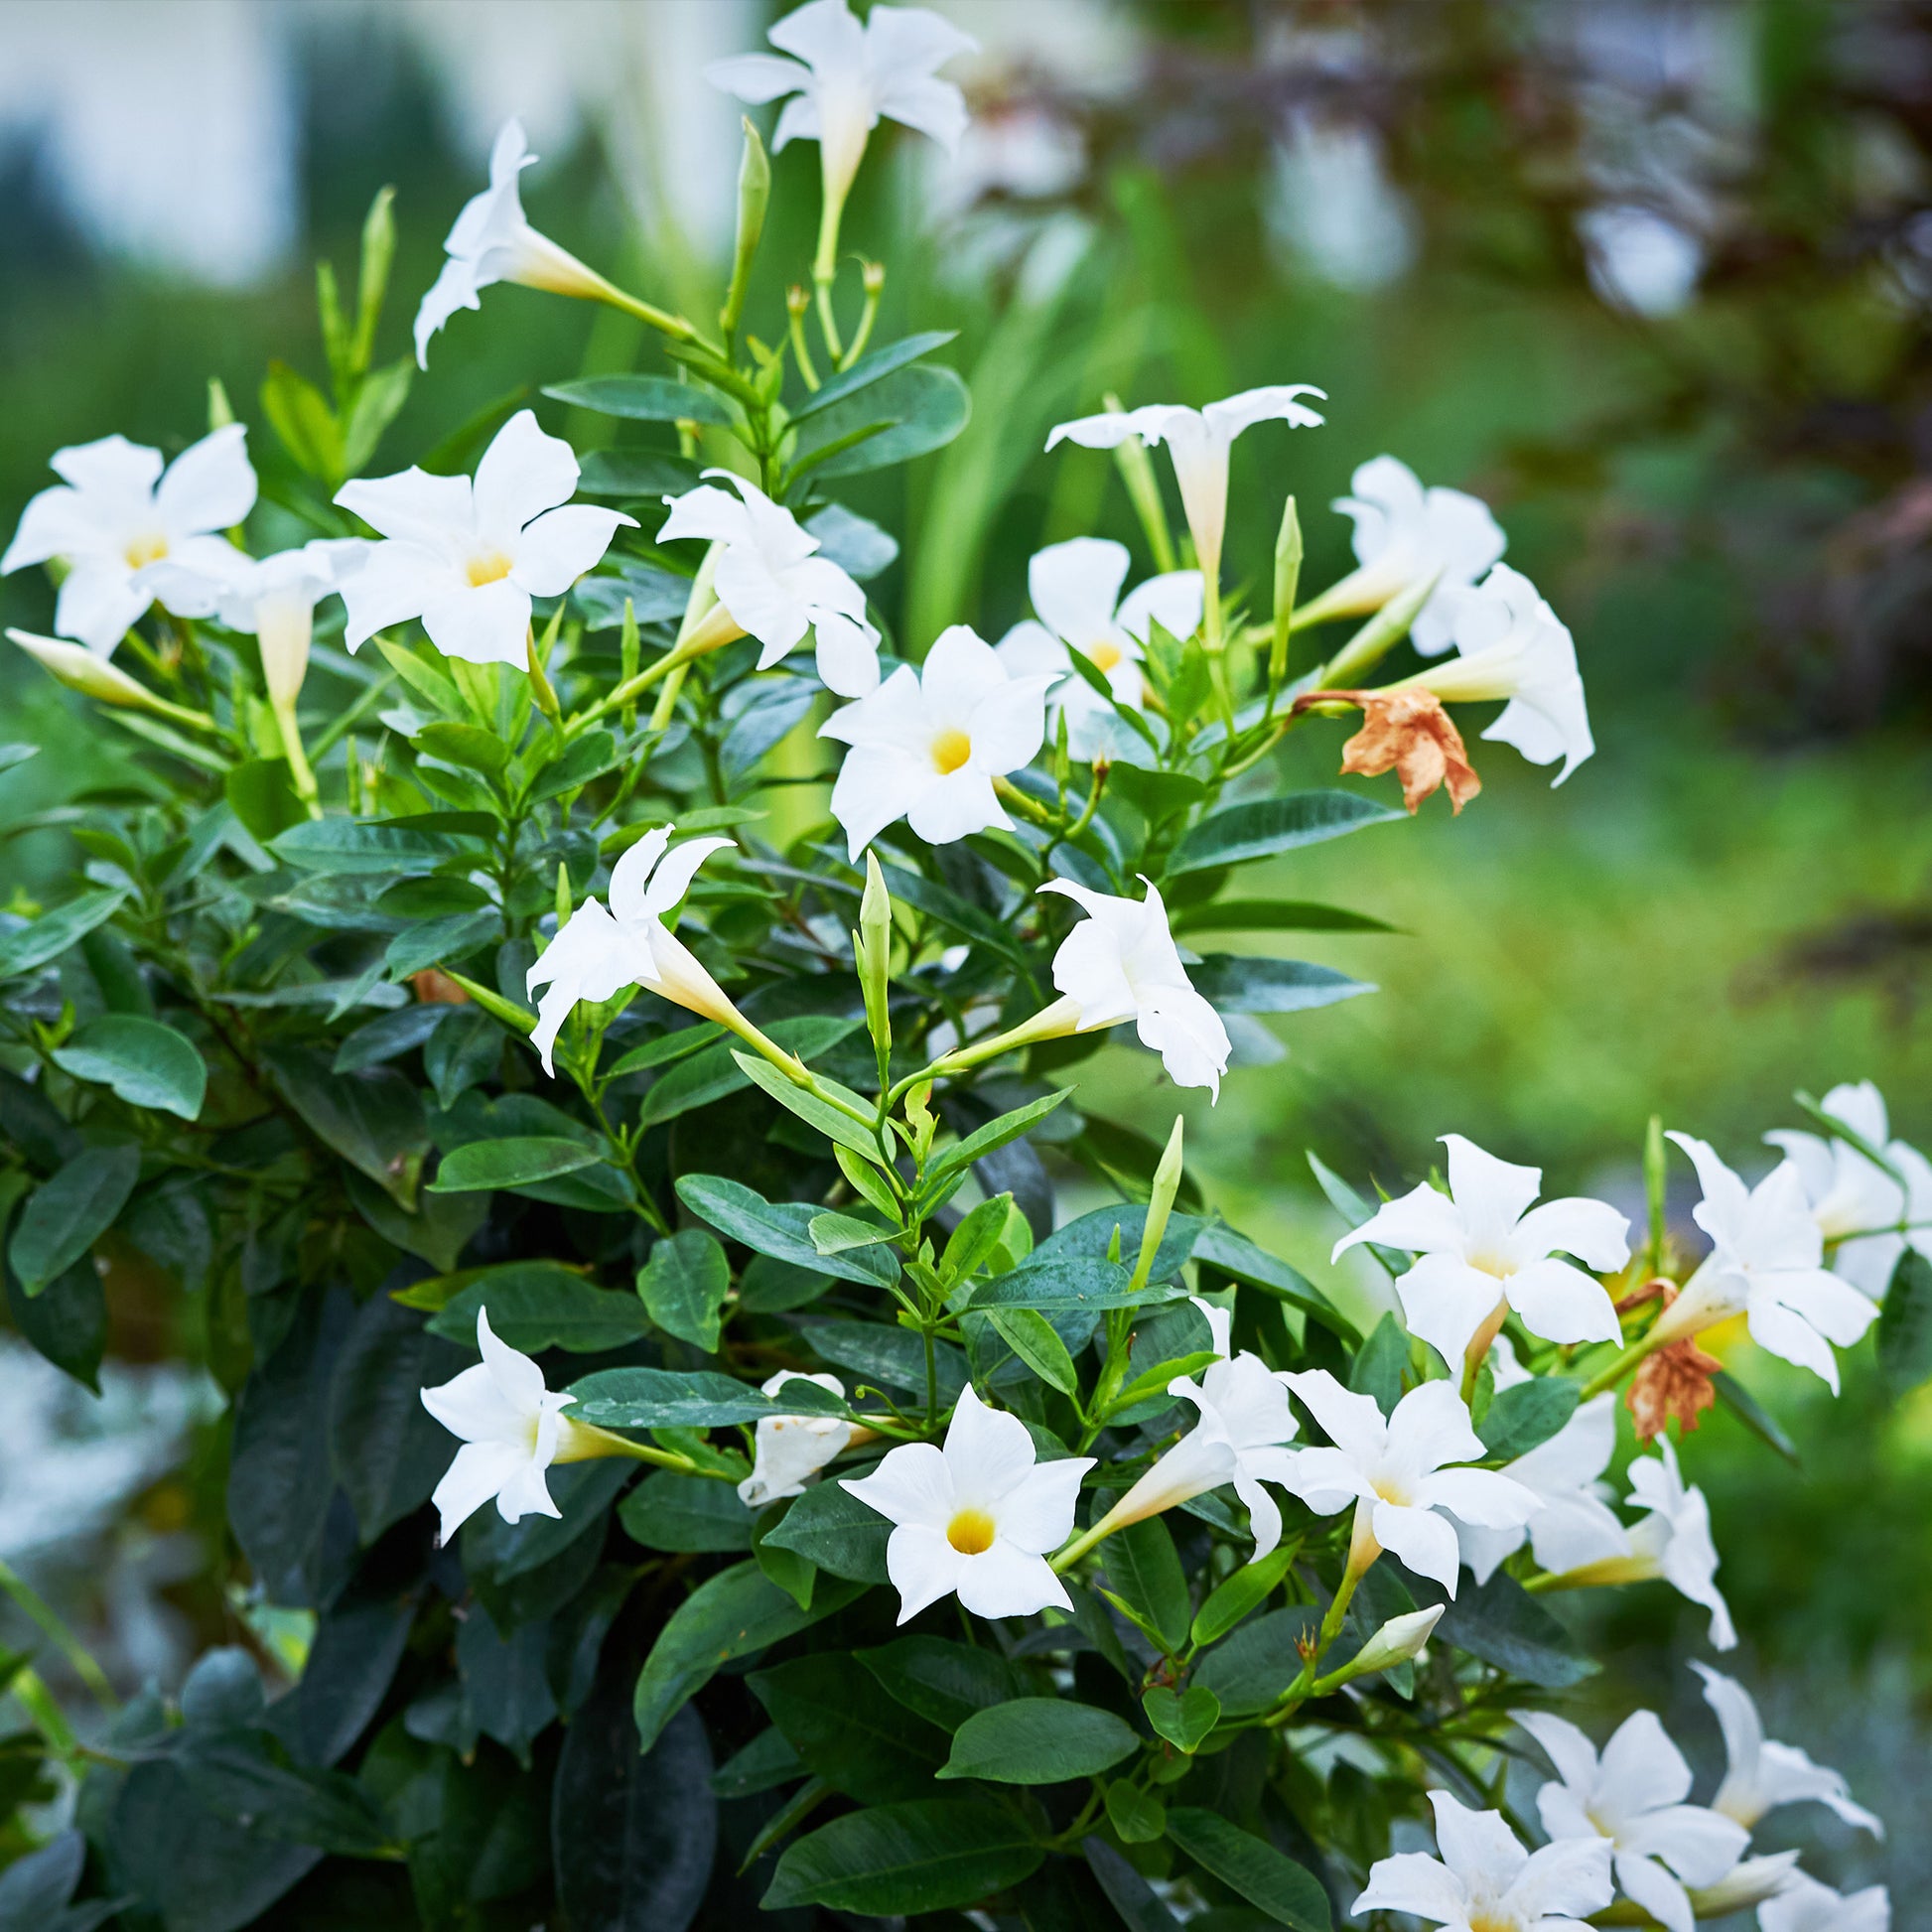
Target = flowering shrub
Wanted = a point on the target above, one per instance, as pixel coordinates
(681, 1461)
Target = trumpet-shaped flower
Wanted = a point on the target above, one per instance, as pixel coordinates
(1573, 1524)
(1121, 963)
(1484, 1881)
(976, 1518)
(115, 514)
(1633, 1795)
(467, 557)
(927, 745)
(493, 243)
(1510, 645)
(1482, 1250)
(1766, 1261)
(1198, 442)
(772, 587)
(1075, 590)
(1763, 1774)
(513, 1430)
(1395, 1470)
(1804, 1905)
(597, 952)
(847, 75)
(1405, 533)
(789, 1451)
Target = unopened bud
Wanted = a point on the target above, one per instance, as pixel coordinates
(873, 275)
(95, 677)
(798, 301)
(1397, 1643)
(874, 950)
(1167, 1184)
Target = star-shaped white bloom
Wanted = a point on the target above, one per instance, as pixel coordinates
(1484, 1881)
(1483, 1248)
(1395, 1471)
(1198, 442)
(847, 75)
(468, 557)
(791, 1449)
(1763, 1774)
(1766, 1261)
(1849, 1193)
(1510, 645)
(1574, 1525)
(513, 1430)
(976, 1518)
(773, 585)
(493, 243)
(1405, 533)
(597, 952)
(1075, 590)
(1633, 1795)
(1121, 963)
(927, 745)
(1807, 1906)
(115, 514)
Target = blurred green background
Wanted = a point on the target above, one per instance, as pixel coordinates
(1652, 278)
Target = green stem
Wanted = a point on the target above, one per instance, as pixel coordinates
(1615, 1372)
(63, 1639)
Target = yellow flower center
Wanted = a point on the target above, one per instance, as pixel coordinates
(490, 568)
(971, 1532)
(1392, 1491)
(1492, 1922)
(149, 549)
(1103, 657)
(950, 749)
(1490, 1263)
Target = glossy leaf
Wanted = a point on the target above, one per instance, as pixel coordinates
(147, 1064)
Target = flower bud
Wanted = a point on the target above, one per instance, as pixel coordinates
(1397, 1643)
(1166, 1183)
(80, 670)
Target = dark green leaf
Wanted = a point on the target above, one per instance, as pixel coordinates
(66, 1321)
(1218, 1246)
(1274, 915)
(858, 546)
(147, 1064)
(1526, 1415)
(641, 399)
(1033, 1339)
(374, 1120)
(442, 942)
(684, 1285)
(996, 1133)
(356, 845)
(1273, 1883)
(388, 1036)
(668, 1511)
(1067, 1286)
(665, 1048)
(1380, 1364)
(66, 1215)
(781, 1229)
(1238, 983)
(505, 1681)
(834, 1531)
(1127, 1891)
(1754, 1416)
(882, 1354)
(1906, 1323)
(588, 757)
(655, 596)
(845, 1732)
(1266, 826)
(385, 1449)
(1245, 1591)
(942, 1682)
(928, 1855)
(765, 1763)
(1038, 1741)
(240, 1777)
(1501, 1624)
(662, 1398)
(870, 369)
(538, 1304)
(54, 932)
(634, 474)
(1182, 1718)
(835, 1125)
(1249, 1670)
(711, 1074)
(1145, 1572)
(511, 1162)
(915, 410)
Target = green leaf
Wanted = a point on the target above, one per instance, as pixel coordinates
(384, 1448)
(1355, 1210)
(1067, 1286)
(1153, 1381)
(1274, 1885)
(856, 544)
(1219, 1246)
(891, 1356)
(379, 398)
(301, 416)
(662, 1398)
(834, 1531)
(588, 757)
(1754, 1416)
(1145, 1571)
(634, 474)
(147, 1064)
(711, 1074)
(66, 1215)
(1526, 1415)
(1239, 983)
(66, 1321)
(1140, 1818)
(974, 1239)
(514, 1162)
(1267, 826)
(1380, 1364)
(1249, 1670)
(829, 1121)
(781, 1229)
(995, 1134)
(442, 942)
(1502, 1624)
(1182, 1718)
(829, 1707)
(245, 1778)
(927, 1856)
(942, 1682)
(336, 845)
(641, 399)
(1038, 1741)
(870, 369)
(1032, 1338)
(665, 1048)
(1274, 915)
(684, 1285)
(668, 1511)
(838, 1234)
(538, 1304)
(1246, 1590)
(261, 793)
(907, 414)
(1905, 1324)
(54, 932)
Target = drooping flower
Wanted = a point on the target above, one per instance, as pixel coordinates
(597, 952)
(1510, 645)
(1410, 734)
(1573, 1525)
(1761, 1773)
(772, 585)
(789, 1451)
(467, 557)
(976, 1518)
(513, 1428)
(1075, 590)
(1767, 1263)
(927, 745)
(493, 243)
(1121, 963)
(1198, 442)
(1633, 1795)
(1396, 1473)
(1804, 1905)
(115, 513)
(1482, 1250)
(1485, 1879)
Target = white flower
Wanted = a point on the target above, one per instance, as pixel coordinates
(1849, 1193)
(115, 513)
(468, 557)
(1573, 1525)
(1405, 533)
(927, 745)
(1075, 589)
(772, 585)
(1121, 963)
(1766, 1261)
(1394, 1471)
(1763, 1774)
(976, 1518)
(1749, 1882)
(790, 1449)
(493, 243)
(1484, 1249)
(1485, 1880)
(1633, 1795)
(513, 1430)
(1198, 442)
(846, 75)
(597, 954)
(1512, 646)
(1220, 1326)
(1807, 1906)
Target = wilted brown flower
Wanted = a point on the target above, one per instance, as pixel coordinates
(1411, 733)
(434, 987)
(1674, 1382)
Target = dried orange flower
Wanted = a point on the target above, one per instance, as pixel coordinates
(1410, 733)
